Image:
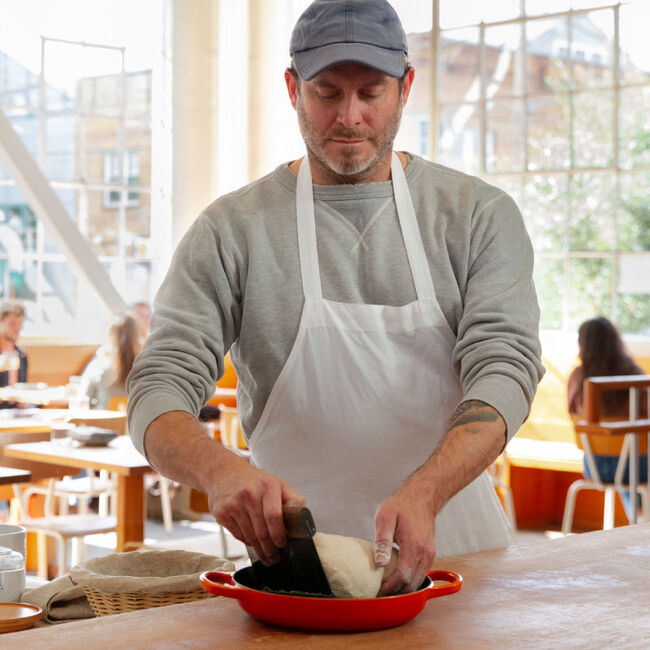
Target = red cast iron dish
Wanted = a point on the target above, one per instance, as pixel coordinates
(327, 614)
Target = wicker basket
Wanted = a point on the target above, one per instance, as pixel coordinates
(105, 604)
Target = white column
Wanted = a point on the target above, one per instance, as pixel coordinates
(273, 135)
(161, 151)
(194, 114)
(263, 84)
(232, 152)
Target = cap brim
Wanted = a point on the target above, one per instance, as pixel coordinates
(310, 63)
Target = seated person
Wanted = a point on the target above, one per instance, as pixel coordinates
(602, 354)
(13, 368)
(142, 312)
(105, 376)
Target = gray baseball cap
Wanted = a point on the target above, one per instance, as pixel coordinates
(330, 32)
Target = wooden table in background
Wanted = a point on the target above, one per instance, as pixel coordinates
(11, 475)
(582, 591)
(32, 394)
(119, 456)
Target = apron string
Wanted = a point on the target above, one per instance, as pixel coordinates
(408, 222)
(307, 247)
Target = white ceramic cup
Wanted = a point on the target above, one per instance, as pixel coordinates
(13, 583)
(14, 537)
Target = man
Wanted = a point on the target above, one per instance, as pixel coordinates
(382, 322)
(13, 366)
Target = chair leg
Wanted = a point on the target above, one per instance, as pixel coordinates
(41, 555)
(62, 560)
(166, 504)
(608, 514)
(569, 507)
(79, 549)
(113, 497)
(103, 504)
(224, 542)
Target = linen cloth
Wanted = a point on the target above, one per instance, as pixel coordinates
(153, 572)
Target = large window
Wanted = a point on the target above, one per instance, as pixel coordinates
(76, 86)
(549, 100)
(544, 98)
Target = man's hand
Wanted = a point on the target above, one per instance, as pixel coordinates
(406, 519)
(248, 502)
(474, 438)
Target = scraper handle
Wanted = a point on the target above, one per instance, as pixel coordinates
(298, 522)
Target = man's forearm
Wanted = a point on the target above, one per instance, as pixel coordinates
(475, 436)
(178, 447)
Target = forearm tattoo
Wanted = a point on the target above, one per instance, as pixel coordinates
(472, 412)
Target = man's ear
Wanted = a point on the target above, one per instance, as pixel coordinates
(406, 87)
(292, 87)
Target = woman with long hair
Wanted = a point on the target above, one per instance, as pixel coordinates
(105, 376)
(602, 354)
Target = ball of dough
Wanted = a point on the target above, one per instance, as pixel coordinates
(349, 565)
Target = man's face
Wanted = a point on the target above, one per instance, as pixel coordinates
(349, 116)
(10, 326)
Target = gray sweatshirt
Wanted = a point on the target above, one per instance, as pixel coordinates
(234, 284)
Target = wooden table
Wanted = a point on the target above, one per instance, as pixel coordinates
(11, 475)
(32, 422)
(35, 420)
(119, 456)
(32, 394)
(582, 591)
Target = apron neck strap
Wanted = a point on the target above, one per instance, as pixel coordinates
(408, 223)
(308, 248)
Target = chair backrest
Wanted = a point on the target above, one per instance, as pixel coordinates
(104, 419)
(117, 403)
(230, 428)
(593, 388)
(229, 378)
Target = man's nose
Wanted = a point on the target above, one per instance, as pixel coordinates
(350, 111)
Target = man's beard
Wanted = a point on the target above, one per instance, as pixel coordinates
(351, 165)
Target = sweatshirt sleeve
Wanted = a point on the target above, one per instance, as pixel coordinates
(196, 318)
(498, 353)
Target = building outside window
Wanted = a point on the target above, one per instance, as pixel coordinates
(113, 176)
(546, 99)
(557, 93)
(83, 110)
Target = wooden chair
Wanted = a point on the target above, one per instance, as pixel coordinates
(230, 430)
(119, 403)
(233, 439)
(100, 485)
(595, 435)
(63, 528)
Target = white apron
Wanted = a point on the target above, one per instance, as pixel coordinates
(364, 398)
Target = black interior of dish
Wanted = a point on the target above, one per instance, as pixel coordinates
(267, 581)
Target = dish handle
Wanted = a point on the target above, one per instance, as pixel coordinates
(220, 584)
(455, 581)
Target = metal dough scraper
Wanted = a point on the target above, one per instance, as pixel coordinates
(299, 568)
